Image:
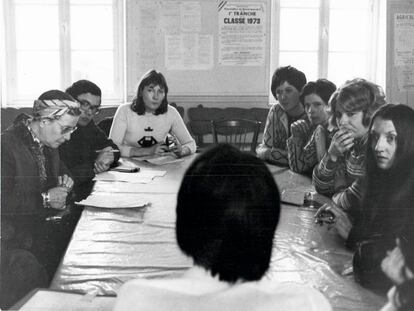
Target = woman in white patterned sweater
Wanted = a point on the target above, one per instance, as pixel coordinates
(141, 128)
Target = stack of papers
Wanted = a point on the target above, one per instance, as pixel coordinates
(115, 200)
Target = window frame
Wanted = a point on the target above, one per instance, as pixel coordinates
(323, 40)
(9, 91)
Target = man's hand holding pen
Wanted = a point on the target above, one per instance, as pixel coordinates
(104, 159)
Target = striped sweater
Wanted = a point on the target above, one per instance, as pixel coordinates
(306, 151)
(273, 147)
(337, 178)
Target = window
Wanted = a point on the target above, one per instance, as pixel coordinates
(334, 39)
(52, 43)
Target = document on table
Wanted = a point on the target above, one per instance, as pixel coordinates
(142, 177)
(116, 186)
(159, 160)
(293, 196)
(115, 200)
(64, 301)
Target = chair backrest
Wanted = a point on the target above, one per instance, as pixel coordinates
(241, 133)
(105, 125)
(180, 109)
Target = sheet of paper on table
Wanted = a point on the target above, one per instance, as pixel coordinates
(159, 160)
(65, 301)
(293, 196)
(142, 177)
(115, 200)
(116, 186)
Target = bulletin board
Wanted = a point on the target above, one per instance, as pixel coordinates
(400, 52)
(205, 48)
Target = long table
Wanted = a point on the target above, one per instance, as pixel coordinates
(112, 246)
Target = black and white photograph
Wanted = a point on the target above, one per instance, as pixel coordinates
(207, 155)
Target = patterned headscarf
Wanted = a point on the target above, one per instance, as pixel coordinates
(53, 108)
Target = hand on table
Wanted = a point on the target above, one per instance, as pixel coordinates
(342, 141)
(178, 149)
(106, 156)
(104, 160)
(161, 149)
(174, 146)
(340, 222)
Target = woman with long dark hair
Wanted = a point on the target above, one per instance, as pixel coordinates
(372, 223)
(141, 128)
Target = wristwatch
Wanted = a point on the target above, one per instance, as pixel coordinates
(46, 199)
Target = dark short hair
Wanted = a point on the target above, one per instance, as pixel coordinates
(227, 211)
(358, 95)
(151, 77)
(287, 74)
(83, 87)
(58, 94)
(321, 87)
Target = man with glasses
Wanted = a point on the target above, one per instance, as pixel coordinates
(35, 191)
(89, 151)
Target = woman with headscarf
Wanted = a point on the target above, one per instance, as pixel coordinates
(34, 186)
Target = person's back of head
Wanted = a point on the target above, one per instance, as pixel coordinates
(83, 87)
(227, 211)
(288, 74)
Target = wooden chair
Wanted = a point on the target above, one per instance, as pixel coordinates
(241, 133)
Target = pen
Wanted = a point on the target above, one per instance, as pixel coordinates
(112, 150)
(126, 170)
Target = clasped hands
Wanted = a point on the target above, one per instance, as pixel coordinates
(58, 195)
(342, 141)
(301, 129)
(172, 145)
(335, 217)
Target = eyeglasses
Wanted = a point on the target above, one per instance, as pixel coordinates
(85, 106)
(66, 129)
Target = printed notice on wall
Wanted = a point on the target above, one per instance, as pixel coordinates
(242, 34)
(405, 78)
(189, 51)
(404, 39)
